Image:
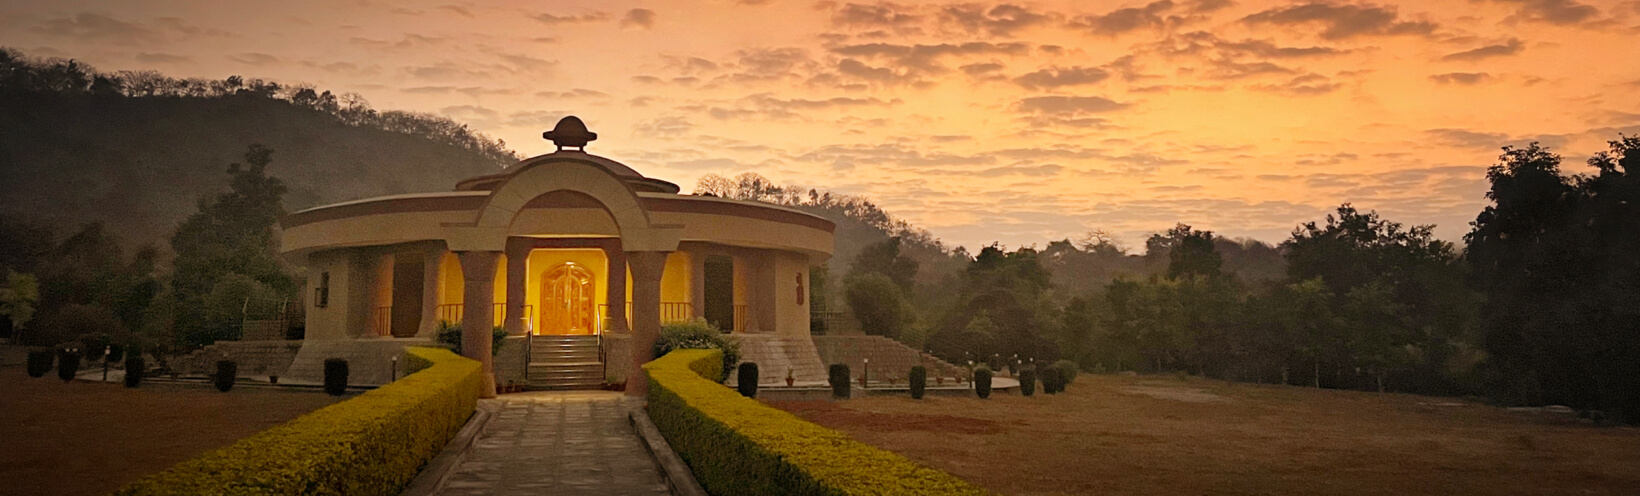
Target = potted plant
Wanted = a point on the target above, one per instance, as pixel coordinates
(939, 380)
(790, 379)
(273, 379)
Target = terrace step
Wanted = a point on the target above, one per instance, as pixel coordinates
(564, 362)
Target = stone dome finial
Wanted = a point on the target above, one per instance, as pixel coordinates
(570, 131)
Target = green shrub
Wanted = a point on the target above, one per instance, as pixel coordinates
(68, 361)
(335, 376)
(39, 361)
(697, 334)
(1027, 380)
(372, 444)
(736, 445)
(134, 368)
(919, 381)
(746, 380)
(1052, 380)
(837, 375)
(982, 381)
(227, 371)
(1067, 372)
(450, 336)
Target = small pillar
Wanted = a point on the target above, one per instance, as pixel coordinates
(616, 298)
(432, 278)
(518, 258)
(477, 319)
(697, 284)
(647, 267)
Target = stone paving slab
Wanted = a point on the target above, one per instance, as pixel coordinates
(558, 443)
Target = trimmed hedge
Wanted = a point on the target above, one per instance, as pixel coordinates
(982, 382)
(746, 380)
(371, 444)
(40, 361)
(736, 445)
(837, 375)
(1027, 380)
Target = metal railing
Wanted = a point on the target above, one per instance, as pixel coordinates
(452, 313)
(671, 312)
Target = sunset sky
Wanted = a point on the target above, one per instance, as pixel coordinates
(1013, 122)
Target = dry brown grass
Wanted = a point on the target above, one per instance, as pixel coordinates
(83, 438)
(1167, 436)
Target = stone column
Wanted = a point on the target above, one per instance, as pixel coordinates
(697, 284)
(616, 297)
(518, 258)
(647, 267)
(478, 300)
(432, 279)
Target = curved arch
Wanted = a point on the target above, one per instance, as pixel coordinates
(564, 174)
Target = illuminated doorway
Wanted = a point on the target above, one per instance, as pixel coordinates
(569, 302)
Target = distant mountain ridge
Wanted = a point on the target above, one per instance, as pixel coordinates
(79, 146)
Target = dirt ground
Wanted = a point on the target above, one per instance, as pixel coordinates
(82, 438)
(1193, 436)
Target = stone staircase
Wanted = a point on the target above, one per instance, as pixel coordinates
(776, 354)
(888, 357)
(565, 362)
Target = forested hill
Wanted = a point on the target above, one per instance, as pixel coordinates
(138, 150)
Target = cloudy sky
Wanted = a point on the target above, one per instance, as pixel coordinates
(1011, 122)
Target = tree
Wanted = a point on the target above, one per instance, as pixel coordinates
(885, 258)
(878, 304)
(1555, 258)
(18, 299)
(1192, 253)
(232, 234)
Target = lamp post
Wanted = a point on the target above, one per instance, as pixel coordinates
(865, 372)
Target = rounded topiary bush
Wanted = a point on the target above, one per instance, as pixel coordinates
(39, 361)
(335, 376)
(746, 379)
(68, 361)
(1027, 380)
(1051, 380)
(982, 382)
(919, 381)
(837, 375)
(1067, 372)
(226, 372)
(134, 368)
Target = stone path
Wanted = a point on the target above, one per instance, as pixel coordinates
(558, 443)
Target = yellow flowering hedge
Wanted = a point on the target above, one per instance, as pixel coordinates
(371, 444)
(736, 445)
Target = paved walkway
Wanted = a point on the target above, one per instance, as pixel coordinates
(558, 443)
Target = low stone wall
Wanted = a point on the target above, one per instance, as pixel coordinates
(255, 358)
(617, 357)
(512, 361)
(369, 361)
(887, 357)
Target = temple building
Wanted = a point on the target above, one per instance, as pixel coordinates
(580, 259)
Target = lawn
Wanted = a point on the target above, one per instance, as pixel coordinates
(83, 438)
(1164, 435)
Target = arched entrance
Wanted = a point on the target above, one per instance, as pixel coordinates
(568, 300)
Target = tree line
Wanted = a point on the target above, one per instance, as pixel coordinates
(1539, 305)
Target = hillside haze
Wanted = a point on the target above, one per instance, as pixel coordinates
(139, 159)
(140, 164)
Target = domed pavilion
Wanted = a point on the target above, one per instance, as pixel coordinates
(580, 259)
